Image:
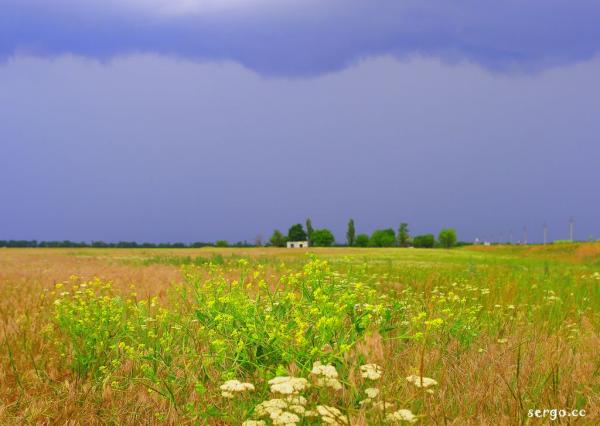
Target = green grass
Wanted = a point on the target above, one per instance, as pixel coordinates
(501, 330)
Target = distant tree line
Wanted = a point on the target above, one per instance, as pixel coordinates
(120, 244)
(317, 237)
(387, 237)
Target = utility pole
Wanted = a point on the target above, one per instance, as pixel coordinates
(545, 233)
(510, 237)
(525, 235)
(571, 226)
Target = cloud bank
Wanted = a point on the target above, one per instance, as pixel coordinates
(308, 37)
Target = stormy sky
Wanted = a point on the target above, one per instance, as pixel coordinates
(195, 120)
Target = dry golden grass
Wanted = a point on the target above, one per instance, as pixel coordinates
(486, 383)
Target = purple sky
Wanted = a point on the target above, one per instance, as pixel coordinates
(187, 120)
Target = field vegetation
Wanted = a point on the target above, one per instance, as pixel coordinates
(261, 336)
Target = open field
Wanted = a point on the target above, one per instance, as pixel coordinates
(120, 336)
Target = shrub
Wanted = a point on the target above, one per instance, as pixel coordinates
(424, 241)
(447, 237)
(383, 238)
(296, 233)
(403, 235)
(263, 328)
(322, 238)
(277, 239)
(362, 240)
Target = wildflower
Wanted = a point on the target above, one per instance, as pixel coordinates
(234, 386)
(371, 371)
(400, 416)
(276, 409)
(421, 382)
(288, 385)
(254, 423)
(328, 370)
(296, 400)
(327, 376)
(331, 415)
(285, 418)
(502, 341)
(372, 392)
(383, 406)
(329, 383)
(266, 407)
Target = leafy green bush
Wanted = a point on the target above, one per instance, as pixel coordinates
(424, 241)
(383, 238)
(297, 233)
(362, 240)
(322, 238)
(447, 237)
(277, 239)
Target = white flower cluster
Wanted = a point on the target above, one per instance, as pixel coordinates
(374, 372)
(372, 393)
(283, 411)
(290, 408)
(231, 387)
(371, 371)
(332, 415)
(421, 382)
(286, 385)
(327, 376)
(400, 416)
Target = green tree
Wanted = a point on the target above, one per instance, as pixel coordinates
(424, 241)
(362, 240)
(447, 237)
(221, 243)
(403, 235)
(383, 238)
(309, 229)
(277, 239)
(322, 238)
(351, 233)
(296, 233)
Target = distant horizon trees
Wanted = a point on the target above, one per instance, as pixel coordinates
(403, 235)
(322, 237)
(447, 237)
(119, 244)
(383, 238)
(362, 240)
(309, 228)
(277, 239)
(424, 241)
(297, 233)
(350, 233)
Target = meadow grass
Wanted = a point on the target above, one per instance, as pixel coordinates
(477, 335)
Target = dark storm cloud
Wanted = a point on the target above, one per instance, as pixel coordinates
(309, 37)
(148, 148)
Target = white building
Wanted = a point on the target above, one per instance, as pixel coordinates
(297, 244)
